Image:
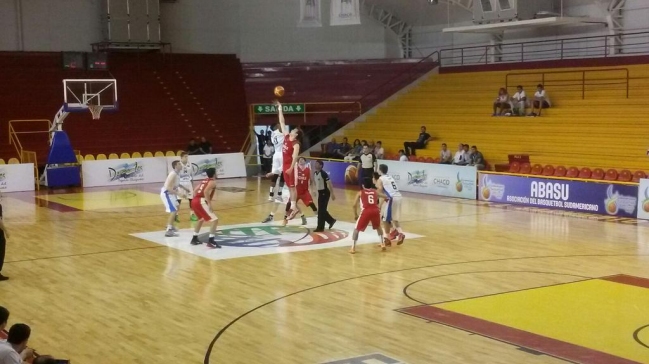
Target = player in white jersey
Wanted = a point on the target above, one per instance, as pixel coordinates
(186, 178)
(168, 194)
(391, 210)
(276, 176)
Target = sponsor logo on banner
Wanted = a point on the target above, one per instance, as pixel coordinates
(199, 168)
(126, 172)
(418, 178)
(590, 197)
(3, 179)
(229, 165)
(310, 15)
(17, 177)
(643, 199)
(345, 12)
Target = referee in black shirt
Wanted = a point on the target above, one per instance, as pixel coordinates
(367, 164)
(325, 190)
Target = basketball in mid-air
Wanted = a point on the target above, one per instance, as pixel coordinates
(279, 91)
(351, 175)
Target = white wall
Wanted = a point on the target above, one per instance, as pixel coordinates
(263, 30)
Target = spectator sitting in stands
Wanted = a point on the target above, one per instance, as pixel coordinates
(541, 100)
(421, 142)
(14, 350)
(402, 156)
(519, 101)
(343, 149)
(206, 147)
(379, 152)
(331, 148)
(502, 102)
(355, 152)
(445, 156)
(458, 159)
(193, 148)
(476, 158)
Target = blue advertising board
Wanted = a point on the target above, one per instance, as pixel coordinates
(578, 196)
(341, 173)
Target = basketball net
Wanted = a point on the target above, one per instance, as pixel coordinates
(95, 110)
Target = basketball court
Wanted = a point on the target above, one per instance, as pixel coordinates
(93, 273)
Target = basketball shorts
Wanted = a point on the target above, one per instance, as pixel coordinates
(289, 178)
(368, 216)
(278, 162)
(184, 194)
(391, 210)
(170, 201)
(305, 196)
(203, 210)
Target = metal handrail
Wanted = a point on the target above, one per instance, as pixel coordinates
(583, 73)
(13, 134)
(523, 51)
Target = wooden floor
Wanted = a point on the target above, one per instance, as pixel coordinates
(93, 293)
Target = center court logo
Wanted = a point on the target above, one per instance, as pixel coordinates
(268, 236)
(126, 172)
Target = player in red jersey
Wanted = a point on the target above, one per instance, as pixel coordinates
(201, 205)
(368, 199)
(302, 189)
(290, 152)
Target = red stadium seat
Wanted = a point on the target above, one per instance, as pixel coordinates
(638, 175)
(548, 170)
(560, 171)
(537, 170)
(625, 176)
(514, 167)
(598, 174)
(431, 160)
(585, 173)
(526, 168)
(573, 172)
(421, 159)
(611, 175)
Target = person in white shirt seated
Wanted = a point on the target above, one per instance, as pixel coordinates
(15, 350)
(519, 101)
(402, 156)
(445, 156)
(458, 159)
(379, 152)
(502, 103)
(541, 100)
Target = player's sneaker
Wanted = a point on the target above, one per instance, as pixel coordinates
(393, 234)
(174, 229)
(284, 222)
(268, 218)
(352, 251)
(400, 239)
(170, 233)
(279, 199)
(193, 217)
(303, 220)
(332, 224)
(292, 214)
(386, 242)
(195, 240)
(213, 244)
(271, 198)
(383, 246)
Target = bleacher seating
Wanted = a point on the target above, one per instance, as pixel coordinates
(163, 102)
(603, 130)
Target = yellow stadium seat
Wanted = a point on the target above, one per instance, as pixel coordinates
(136, 155)
(113, 156)
(148, 155)
(170, 154)
(2, 161)
(125, 156)
(14, 161)
(159, 154)
(101, 157)
(79, 159)
(90, 157)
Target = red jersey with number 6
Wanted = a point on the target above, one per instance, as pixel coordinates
(287, 152)
(369, 200)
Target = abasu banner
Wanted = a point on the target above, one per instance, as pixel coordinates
(578, 196)
(116, 172)
(345, 12)
(17, 177)
(229, 165)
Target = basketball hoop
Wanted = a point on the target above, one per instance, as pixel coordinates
(95, 110)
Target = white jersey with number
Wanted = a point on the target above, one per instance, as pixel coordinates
(185, 173)
(277, 138)
(390, 186)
